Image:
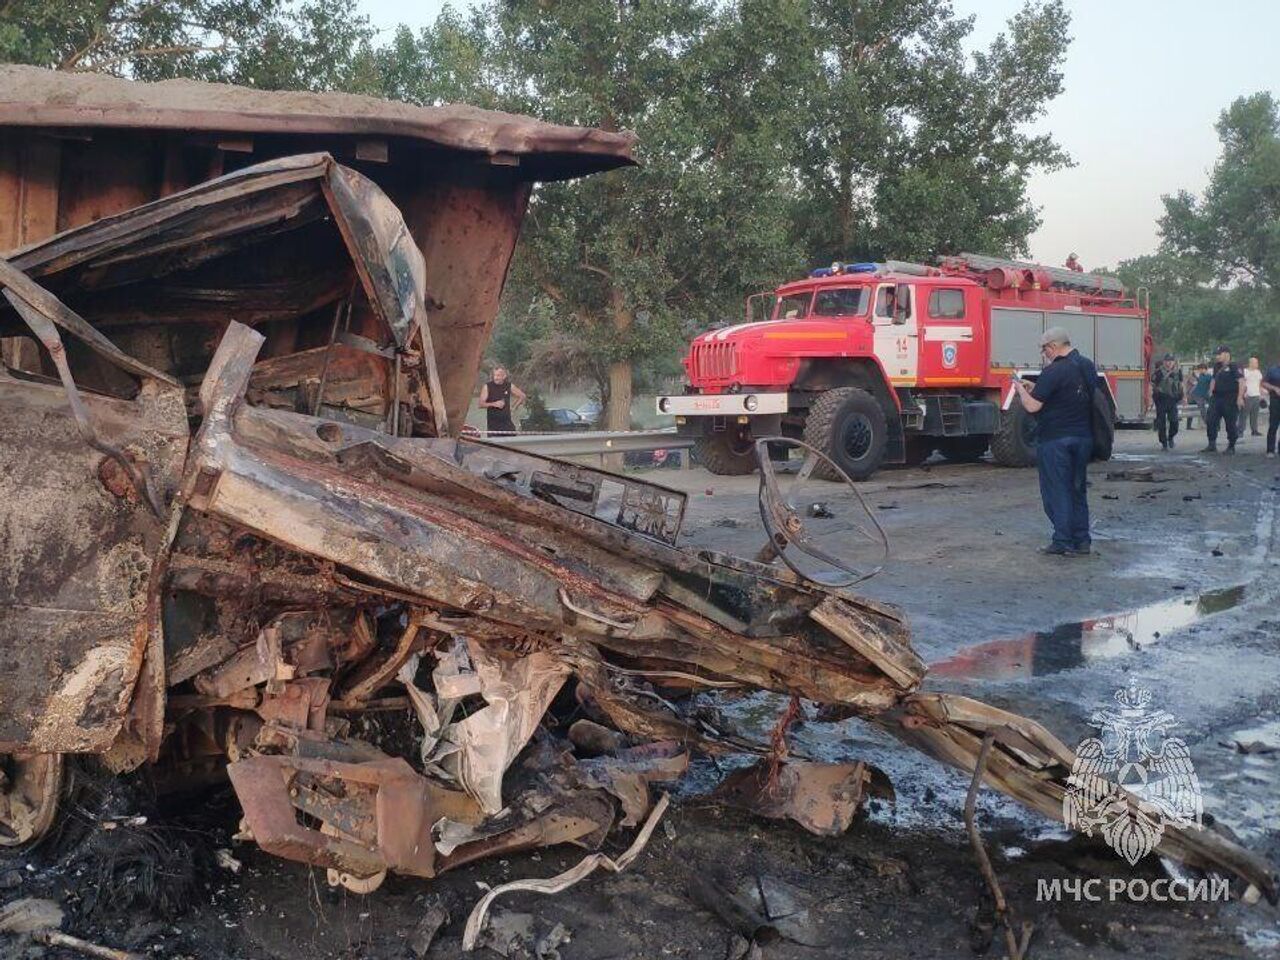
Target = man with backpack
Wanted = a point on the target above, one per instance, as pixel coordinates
(1062, 401)
(1167, 391)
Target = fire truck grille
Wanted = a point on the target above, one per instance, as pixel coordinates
(714, 361)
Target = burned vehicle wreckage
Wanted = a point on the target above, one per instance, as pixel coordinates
(221, 547)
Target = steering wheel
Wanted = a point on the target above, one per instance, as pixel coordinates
(782, 506)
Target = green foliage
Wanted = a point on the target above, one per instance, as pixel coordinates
(1235, 227)
(310, 44)
(1188, 316)
(1217, 275)
(907, 148)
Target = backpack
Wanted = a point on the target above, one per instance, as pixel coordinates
(1101, 420)
(1166, 384)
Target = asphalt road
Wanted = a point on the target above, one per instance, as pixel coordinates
(1180, 598)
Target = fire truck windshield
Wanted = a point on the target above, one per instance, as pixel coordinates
(794, 306)
(843, 302)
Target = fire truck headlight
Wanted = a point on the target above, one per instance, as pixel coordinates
(751, 403)
(664, 404)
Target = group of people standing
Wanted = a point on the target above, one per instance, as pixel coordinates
(1061, 399)
(1228, 397)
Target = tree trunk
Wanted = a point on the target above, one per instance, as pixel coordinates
(846, 211)
(618, 411)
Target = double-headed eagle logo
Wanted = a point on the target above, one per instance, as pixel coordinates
(1132, 779)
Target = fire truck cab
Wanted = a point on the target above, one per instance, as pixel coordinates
(876, 363)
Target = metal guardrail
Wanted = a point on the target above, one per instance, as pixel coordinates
(588, 443)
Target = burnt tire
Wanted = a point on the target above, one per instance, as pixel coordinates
(963, 449)
(31, 792)
(1014, 442)
(726, 454)
(848, 425)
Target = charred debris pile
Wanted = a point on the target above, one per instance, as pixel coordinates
(237, 524)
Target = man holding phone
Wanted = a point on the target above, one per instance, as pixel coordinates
(1061, 400)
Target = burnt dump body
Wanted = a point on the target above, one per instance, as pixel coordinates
(76, 147)
(229, 563)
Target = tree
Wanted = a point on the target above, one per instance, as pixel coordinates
(772, 133)
(1235, 227)
(630, 262)
(1188, 315)
(315, 44)
(1219, 263)
(905, 146)
(452, 61)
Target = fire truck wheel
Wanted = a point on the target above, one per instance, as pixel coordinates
(726, 454)
(964, 449)
(1014, 443)
(848, 425)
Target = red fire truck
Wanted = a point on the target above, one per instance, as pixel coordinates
(876, 363)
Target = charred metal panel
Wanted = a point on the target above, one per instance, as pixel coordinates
(77, 546)
(102, 176)
(468, 234)
(29, 171)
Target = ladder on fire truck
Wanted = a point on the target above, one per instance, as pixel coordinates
(995, 272)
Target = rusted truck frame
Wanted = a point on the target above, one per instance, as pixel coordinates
(225, 600)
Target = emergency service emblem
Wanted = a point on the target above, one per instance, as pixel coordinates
(949, 353)
(1132, 780)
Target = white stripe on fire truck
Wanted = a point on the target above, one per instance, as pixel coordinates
(948, 333)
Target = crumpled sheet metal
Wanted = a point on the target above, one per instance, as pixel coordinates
(821, 797)
(202, 223)
(518, 692)
(381, 812)
(396, 511)
(77, 568)
(627, 774)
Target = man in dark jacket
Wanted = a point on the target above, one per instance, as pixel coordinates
(1226, 397)
(1062, 400)
(1167, 390)
(1271, 388)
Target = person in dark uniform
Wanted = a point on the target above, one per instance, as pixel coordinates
(1271, 387)
(1226, 397)
(500, 397)
(1062, 401)
(1167, 389)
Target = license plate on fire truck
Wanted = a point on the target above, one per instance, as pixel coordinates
(722, 404)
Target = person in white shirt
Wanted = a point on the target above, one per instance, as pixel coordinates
(1252, 398)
